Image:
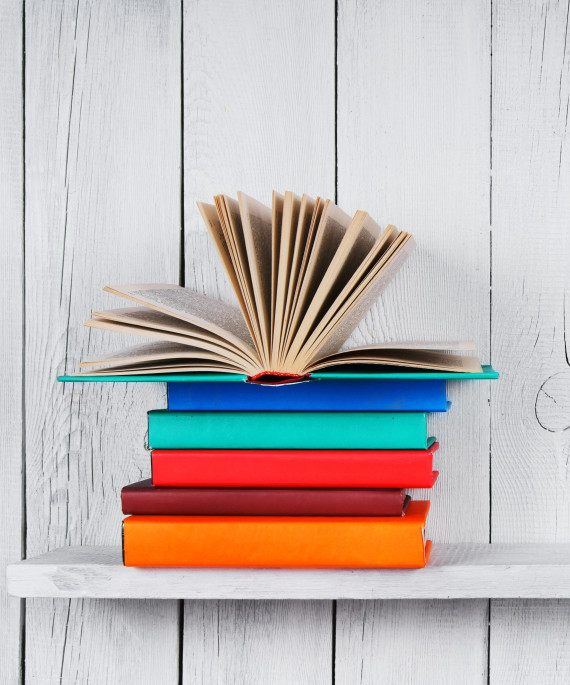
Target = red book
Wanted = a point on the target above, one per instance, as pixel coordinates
(145, 498)
(294, 468)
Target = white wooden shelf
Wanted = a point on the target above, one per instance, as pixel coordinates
(454, 571)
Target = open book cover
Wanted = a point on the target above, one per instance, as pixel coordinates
(304, 274)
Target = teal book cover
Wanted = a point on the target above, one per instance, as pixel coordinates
(287, 430)
(366, 372)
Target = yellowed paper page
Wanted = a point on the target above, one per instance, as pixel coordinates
(236, 236)
(219, 318)
(219, 236)
(230, 245)
(419, 359)
(291, 207)
(330, 232)
(230, 355)
(415, 346)
(373, 262)
(277, 201)
(301, 238)
(330, 335)
(257, 232)
(357, 243)
(152, 318)
(199, 366)
(152, 352)
(306, 254)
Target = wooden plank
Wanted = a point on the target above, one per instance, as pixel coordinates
(419, 630)
(529, 642)
(244, 635)
(464, 571)
(258, 115)
(413, 150)
(258, 112)
(531, 315)
(11, 270)
(103, 203)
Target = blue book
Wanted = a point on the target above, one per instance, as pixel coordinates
(321, 394)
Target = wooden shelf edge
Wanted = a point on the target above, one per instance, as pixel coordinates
(455, 571)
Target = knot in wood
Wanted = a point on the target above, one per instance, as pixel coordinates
(552, 405)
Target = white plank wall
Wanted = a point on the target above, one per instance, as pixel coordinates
(102, 203)
(448, 118)
(11, 273)
(259, 114)
(530, 641)
(414, 149)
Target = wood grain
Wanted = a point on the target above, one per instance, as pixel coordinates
(103, 140)
(529, 642)
(253, 643)
(258, 115)
(413, 149)
(531, 282)
(11, 271)
(421, 629)
(463, 571)
(102, 205)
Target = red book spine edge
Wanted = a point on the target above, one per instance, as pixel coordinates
(284, 377)
(145, 499)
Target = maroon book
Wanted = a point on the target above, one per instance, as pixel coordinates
(146, 498)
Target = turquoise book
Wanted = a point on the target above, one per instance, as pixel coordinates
(287, 430)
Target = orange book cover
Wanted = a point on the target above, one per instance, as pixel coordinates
(278, 541)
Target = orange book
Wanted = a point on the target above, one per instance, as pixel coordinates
(278, 541)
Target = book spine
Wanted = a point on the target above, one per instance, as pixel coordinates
(294, 468)
(147, 499)
(312, 395)
(264, 541)
(287, 430)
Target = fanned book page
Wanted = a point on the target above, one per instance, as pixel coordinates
(304, 274)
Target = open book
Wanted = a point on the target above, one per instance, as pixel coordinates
(304, 274)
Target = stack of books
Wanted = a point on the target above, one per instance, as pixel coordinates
(308, 474)
(278, 449)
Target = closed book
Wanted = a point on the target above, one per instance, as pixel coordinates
(286, 430)
(278, 541)
(321, 394)
(295, 468)
(145, 498)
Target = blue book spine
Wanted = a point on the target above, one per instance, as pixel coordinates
(395, 395)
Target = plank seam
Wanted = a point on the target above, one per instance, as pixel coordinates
(333, 641)
(23, 524)
(336, 10)
(336, 101)
(182, 261)
(180, 641)
(489, 603)
(182, 282)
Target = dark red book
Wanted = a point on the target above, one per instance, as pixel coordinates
(145, 498)
(279, 468)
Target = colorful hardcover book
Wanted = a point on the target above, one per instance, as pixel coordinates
(145, 498)
(324, 394)
(364, 371)
(287, 430)
(278, 541)
(295, 468)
